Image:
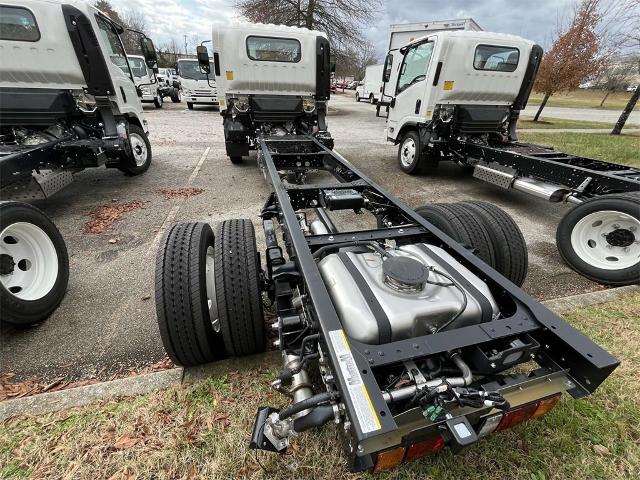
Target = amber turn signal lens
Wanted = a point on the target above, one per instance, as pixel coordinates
(422, 449)
(389, 459)
(546, 404)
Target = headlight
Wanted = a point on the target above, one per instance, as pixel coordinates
(241, 103)
(308, 104)
(85, 102)
(186, 91)
(445, 113)
(145, 89)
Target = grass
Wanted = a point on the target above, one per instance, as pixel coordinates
(202, 430)
(553, 123)
(623, 149)
(584, 99)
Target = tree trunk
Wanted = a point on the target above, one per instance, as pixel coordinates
(311, 7)
(542, 105)
(605, 97)
(626, 112)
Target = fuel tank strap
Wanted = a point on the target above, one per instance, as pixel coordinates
(485, 305)
(384, 326)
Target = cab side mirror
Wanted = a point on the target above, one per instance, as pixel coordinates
(149, 52)
(203, 59)
(386, 71)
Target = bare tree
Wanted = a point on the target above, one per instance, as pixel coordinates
(617, 129)
(341, 20)
(134, 20)
(616, 75)
(573, 56)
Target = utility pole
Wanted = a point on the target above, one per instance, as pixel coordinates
(185, 44)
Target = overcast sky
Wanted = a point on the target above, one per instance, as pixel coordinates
(535, 20)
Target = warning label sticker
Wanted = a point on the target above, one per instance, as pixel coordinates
(367, 416)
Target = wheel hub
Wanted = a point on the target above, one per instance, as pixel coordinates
(621, 237)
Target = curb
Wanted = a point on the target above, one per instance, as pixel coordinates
(151, 382)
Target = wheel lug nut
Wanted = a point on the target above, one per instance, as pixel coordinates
(632, 229)
(616, 226)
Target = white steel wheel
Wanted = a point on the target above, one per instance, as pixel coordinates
(408, 152)
(600, 239)
(607, 239)
(138, 149)
(35, 261)
(34, 265)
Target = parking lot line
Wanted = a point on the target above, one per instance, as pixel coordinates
(170, 218)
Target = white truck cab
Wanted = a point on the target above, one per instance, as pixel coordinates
(370, 88)
(196, 86)
(470, 82)
(272, 80)
(144, 79)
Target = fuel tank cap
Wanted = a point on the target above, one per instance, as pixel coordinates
(405, 273)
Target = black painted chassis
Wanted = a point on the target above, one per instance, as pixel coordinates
(567, 361)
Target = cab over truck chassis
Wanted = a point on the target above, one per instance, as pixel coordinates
(412, 337)
(458, 97)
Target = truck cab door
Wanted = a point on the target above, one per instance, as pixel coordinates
(411, 91)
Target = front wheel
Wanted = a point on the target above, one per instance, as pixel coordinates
(139, 159)
(409, 153)
(176, 97)
(34, 265)
(600, 239)
(158, 101)
(190, 105)
(357, 97)
(371, 100)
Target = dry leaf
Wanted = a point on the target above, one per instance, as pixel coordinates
(125, 442)
(601, 449)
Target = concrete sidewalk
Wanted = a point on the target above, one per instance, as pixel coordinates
(590, 114)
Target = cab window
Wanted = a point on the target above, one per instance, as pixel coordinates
(271, 49)
(115, 51)
(18, 24)
(496, 59)
(415, 65)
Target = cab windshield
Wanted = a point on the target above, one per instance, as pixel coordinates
(138, 67)
(191, 70)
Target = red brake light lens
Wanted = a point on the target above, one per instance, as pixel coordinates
(517, 416)
(424, 448)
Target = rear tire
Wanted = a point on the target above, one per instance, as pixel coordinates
(176, 97)
(511, 254)
(158, 102)
(457, 222)
(600, 239)
(238, 288)
(139, 160)
(184, 294)
(190, 105)
(235, 159)
(34, 265)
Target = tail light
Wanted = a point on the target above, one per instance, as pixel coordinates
(389, 459)
(422, 449)
(516, 416)
(501, 421)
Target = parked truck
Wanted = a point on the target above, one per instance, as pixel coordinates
(406, 339)
(370, 88)
(458, 98)
(146, 82)
(67, 102)
(196, 87)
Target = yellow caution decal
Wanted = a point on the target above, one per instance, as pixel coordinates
(230, 75)
(448, 85)
(356, 389)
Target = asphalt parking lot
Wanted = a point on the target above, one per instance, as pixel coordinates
(107, 321)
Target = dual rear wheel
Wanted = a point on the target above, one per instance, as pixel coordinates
(208, 297)
(487, 230)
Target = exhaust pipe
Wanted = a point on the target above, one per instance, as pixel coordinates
(540, 189)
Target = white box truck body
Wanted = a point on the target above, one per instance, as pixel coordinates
(370, 88)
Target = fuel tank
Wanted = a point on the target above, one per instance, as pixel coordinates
(401, 296)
